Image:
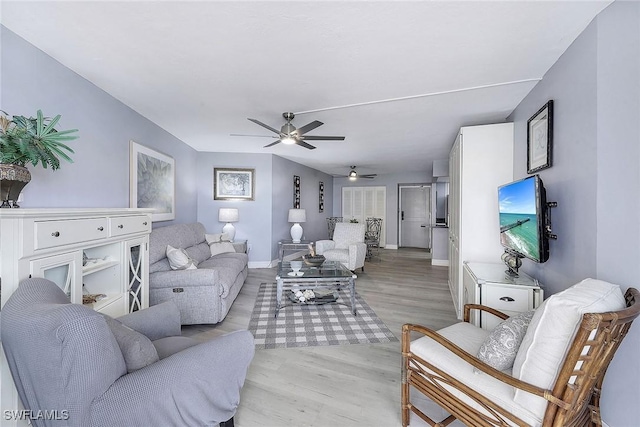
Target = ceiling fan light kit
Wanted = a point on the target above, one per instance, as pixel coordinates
(289, 135)
(353, 175)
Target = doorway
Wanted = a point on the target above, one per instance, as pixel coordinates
(414, 216)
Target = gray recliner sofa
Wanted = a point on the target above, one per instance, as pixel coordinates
(203, 295)
(88, 370)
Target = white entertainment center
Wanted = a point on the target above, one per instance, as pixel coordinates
(102, 252)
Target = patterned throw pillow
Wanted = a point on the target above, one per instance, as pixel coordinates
(219, 243)
(499, 349)
(179, 260)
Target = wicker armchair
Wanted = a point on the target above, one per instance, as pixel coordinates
(444, 367)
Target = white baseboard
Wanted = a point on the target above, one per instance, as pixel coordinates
(440, 262)
(388, 246)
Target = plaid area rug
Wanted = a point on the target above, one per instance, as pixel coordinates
(302, 325)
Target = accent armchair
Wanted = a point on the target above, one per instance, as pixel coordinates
(132, 371)
(557, 370)
(347, 246)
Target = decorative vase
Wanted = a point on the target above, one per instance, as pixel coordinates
(13, 178)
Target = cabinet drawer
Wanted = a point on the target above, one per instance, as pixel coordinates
(64, 232)
(121, 225)
(507, 299)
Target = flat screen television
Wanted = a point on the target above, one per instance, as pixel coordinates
(523, 218)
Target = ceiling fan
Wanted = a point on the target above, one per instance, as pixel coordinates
(353, 175)
(288, 134)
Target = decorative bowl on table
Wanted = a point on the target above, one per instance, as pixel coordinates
(314, 261)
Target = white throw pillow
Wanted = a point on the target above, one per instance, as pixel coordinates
(221, 248)
(551, 331)
(501, 346)
(179, 260)
(217, 238)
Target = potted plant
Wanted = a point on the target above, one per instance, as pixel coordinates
(28, 140)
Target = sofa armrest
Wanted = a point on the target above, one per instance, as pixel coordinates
(185, 278)
(196, 386)
(155, 322)
(324, 245)
(357, 254)
(469, 307)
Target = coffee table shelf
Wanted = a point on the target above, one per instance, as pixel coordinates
(331, 275)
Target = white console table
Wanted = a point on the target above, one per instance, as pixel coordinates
(489, 284)
(84, 251)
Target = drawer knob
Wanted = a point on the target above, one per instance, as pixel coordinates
(121, 226)
(56, 234)
(100, 228)
(508, 299)
(144, 223)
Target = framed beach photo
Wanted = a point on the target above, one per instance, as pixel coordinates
(152, 179)
(540, 139)
(233, 184)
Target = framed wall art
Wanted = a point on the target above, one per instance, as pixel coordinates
(321, 197)
(152, 181)
(296, 192)
(540, 139)
(233, 184)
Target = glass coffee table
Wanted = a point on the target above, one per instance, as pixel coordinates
(331, 275)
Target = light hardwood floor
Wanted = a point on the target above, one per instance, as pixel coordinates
(347, 385)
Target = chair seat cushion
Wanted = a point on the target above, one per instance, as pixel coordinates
(341, 255)
(470, 338)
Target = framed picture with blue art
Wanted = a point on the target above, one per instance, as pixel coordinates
(233, 184)
(152, 181)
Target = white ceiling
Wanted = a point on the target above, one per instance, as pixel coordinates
(200, 69)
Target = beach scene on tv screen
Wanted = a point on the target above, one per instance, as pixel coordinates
(518, 220)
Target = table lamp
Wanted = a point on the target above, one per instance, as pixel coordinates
(228, 215)
(297, 216)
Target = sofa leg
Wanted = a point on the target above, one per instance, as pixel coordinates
(228, 423)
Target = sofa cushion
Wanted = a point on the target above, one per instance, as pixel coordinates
(347, 233)
(341, 255)
(199, 252)
(137, 349)
(221, 248)
(501, 346)
(179, 259)
(470, 338)
(177, 235)
(552, 329)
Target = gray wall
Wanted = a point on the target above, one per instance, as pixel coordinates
(391, 182)
(254, 215)
(99, 176)
(316, 226)
(595, 177)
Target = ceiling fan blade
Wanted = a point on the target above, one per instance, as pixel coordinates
(257, 136)
(258, 122)
(305, 145)
(272, 144)
(323, 138)
(306, 128)
(367, 176)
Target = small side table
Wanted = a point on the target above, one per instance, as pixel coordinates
(289, 246)
(240, 246)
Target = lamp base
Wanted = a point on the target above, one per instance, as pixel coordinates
(229, 230)
(296, 232)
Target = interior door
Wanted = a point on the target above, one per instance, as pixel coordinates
(415, 217)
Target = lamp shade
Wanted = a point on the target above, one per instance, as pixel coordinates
(228, 215)
(297, 215)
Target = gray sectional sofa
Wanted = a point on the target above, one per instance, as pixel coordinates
(203, 295)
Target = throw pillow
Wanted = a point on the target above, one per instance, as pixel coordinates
(501, 346)
(219, 243)
(138, 350)
(179, 259)
(217, 238)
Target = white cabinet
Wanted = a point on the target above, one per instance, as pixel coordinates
(490, 285)
(480, 161)
(83, 251)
